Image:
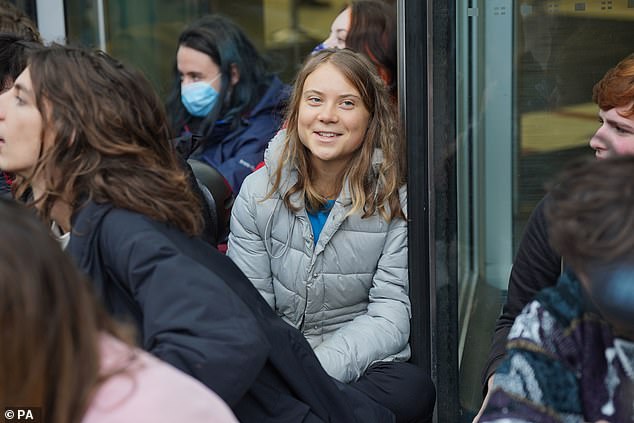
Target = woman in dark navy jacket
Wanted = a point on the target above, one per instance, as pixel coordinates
(88, 137)
(224, 94)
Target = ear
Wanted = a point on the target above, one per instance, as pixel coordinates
(235, 75)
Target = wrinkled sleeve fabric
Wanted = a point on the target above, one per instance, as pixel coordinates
(537, 266)
(384, 329)
(246, 246)
(191, 318)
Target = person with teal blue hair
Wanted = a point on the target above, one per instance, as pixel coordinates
(224, 94)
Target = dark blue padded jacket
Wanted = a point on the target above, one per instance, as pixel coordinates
(236, 152)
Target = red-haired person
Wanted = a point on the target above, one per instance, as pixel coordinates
(537, 265)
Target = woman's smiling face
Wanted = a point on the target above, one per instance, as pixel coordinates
(332, 119)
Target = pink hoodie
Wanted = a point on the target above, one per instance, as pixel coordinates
(145, 389)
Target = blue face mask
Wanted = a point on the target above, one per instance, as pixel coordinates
(199, 97)
(318, 47)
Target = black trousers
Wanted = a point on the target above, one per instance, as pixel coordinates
(405, 389)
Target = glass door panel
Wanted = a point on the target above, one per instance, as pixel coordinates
(525, 72)
(144, 32)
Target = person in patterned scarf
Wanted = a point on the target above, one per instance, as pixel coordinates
(570, 353)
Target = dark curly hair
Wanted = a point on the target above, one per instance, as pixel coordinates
(13, 55)
(14, 21)
(591, 212)
(110, 139)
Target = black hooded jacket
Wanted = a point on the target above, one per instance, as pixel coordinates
(193, 308)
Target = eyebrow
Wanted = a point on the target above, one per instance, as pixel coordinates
(307, 92)
(622, 124)
(188, 72)
(22, 88)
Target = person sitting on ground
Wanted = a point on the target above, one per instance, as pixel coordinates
(571, 350)
(368, 27)
(537, 265)
(333, 182)
(62, 353)
(89, 138)
(224, 95)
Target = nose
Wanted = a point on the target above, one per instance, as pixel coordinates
(328, 113)
(597, 141)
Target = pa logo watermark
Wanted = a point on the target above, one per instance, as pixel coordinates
(23, 414)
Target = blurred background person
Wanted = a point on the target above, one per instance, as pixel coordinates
(225, 96)
(368, 27)
(63, 354)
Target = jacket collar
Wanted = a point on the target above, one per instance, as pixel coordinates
(276, 94)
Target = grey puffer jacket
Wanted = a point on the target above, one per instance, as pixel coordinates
(348, 294)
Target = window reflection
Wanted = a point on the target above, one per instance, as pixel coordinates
(144, 32)
(560, 49)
